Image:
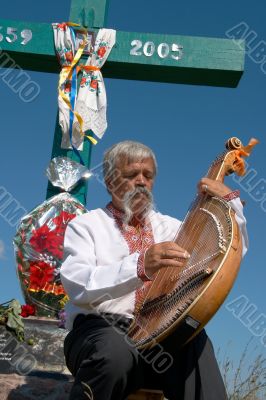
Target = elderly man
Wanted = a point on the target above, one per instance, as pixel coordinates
(110, 253)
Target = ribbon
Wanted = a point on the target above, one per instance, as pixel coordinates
(68, 72)
(85, 106)
(48, 288)
(244, 151)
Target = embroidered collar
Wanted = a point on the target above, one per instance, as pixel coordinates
(116, 213)
(119, 215)
(138, 237)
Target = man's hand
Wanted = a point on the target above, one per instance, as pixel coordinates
(165, 254)
(213, 188)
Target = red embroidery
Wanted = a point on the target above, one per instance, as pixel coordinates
(140, 268)
(232, 195)
(139, 238)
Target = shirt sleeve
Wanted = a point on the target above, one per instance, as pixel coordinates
(86, 282)
(242, 223)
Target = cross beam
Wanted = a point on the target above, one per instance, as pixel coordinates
(139, 56)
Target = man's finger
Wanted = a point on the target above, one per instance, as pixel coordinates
(171, 263)
(174, 254)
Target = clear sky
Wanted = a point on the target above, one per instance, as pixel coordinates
(185, 125)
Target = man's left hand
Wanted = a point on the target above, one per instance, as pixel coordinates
(213, 188)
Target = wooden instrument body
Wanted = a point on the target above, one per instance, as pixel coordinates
(183, 301)
(188, 317)
(221, 282)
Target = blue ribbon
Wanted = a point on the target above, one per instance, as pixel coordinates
(72, 102)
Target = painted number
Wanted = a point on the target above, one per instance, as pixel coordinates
(148, 49)
(164, 50)
(11, 35)
(26, 34)
(137, 45)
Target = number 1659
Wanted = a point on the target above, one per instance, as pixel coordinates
(11, 35)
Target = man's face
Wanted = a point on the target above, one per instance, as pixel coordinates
(131, 176)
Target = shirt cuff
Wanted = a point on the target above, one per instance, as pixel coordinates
(140, 268)
(232, 195)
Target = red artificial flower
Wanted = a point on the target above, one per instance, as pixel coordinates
(62, 26)
(40, 274)
(69, 56)
(67, 87)
(64, 217)
(45, 240)
(39, 238)
(94, 84)
(83, 81)
(101, 52)
(27, 310)
(56, 249)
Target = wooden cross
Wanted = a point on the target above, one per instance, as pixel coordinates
(141, 56)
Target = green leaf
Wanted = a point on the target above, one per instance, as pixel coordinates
(10, 316)
(12, 322)
(16, 324)
(16, 306)
(20, 335)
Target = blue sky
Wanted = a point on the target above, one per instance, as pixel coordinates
(185, 125)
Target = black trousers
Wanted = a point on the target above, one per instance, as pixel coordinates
(107, 366)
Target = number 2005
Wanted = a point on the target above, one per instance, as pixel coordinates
(163, 49)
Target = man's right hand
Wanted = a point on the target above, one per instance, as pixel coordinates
(165, 254)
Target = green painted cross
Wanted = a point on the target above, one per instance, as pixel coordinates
(141, 56)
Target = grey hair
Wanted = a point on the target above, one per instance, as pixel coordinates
(129, 150)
